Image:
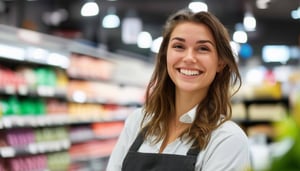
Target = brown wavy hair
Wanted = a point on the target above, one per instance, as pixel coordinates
(160, 93)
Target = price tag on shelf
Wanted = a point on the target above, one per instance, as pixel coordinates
(32, 149)
(59, 119)
(7, 122)
(23, 90)
(9, 89)
(42, 121)
(19, 121)
(7, 152)
(46, 91)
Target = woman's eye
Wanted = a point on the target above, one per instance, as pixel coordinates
(203, 48)
(177, 46)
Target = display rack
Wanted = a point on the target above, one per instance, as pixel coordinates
(53, 117)
(247, 121)
(264, 124)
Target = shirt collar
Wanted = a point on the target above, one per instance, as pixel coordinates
(189, 116)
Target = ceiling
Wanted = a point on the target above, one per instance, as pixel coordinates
(274, 24)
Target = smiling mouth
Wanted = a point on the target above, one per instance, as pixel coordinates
(189, 72)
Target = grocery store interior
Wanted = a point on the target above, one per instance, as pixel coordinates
(72, 71)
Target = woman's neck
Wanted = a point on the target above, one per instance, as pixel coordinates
(185, 101)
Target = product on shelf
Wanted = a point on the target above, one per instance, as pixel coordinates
(28, 163)
(29, 75)
(85, 112)
(117, 112)
(45, 76)
(10, 106)
(51, 134)
(270, 112)
(92, 149)
(2, 139)
(20, 137)
(108, 129)
(10, 80)
(2, 167)
(78, 134)
(98, 164)
(238, 111)
(295, 102)
(269, 90)
(84, 66)
(55, 106)
(13, 105)
(62, 79)
(59, 161)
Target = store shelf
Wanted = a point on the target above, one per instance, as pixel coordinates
(283, 100)
(52, 86)
(260, 102)
(248, 123)
(14, 121)
(89, 137)
(28, 55)
(95, 149)
(34, 121)
(40, 91)
(35, 148)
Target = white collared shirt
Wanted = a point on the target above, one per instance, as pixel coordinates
(227, 150)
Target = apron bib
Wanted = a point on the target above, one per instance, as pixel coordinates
(136, 161)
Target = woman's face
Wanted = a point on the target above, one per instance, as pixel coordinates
(192, 59)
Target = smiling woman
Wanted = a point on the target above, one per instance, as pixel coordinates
(192, 60)
(185, 123)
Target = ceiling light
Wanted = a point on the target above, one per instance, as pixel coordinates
(89, 9)
(144, 40)
(249, 22)
(198, 6)
(240, 36)
(111, 20)
(296, 13)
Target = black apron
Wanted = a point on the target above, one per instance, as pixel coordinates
(136, 161)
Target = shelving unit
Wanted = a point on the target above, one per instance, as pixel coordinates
(264, 123)
(284, 101)
(62, 104)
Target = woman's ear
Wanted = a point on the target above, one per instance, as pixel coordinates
(221, 65)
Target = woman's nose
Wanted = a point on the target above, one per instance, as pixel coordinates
(190, 56)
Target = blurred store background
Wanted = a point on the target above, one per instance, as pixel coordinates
(72, 71)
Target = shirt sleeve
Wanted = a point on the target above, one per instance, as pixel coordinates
(124, 142)
(227, 153)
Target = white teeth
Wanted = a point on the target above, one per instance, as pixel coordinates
(189, 72)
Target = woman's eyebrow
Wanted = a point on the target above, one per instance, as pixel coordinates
(199, 41)
(178, 38)
(206, 41)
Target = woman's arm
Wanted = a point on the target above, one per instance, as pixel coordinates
(126, 138)
(228, 150)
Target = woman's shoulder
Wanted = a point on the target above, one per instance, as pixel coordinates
(135, 116)
(134, 120)
(228, 144)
